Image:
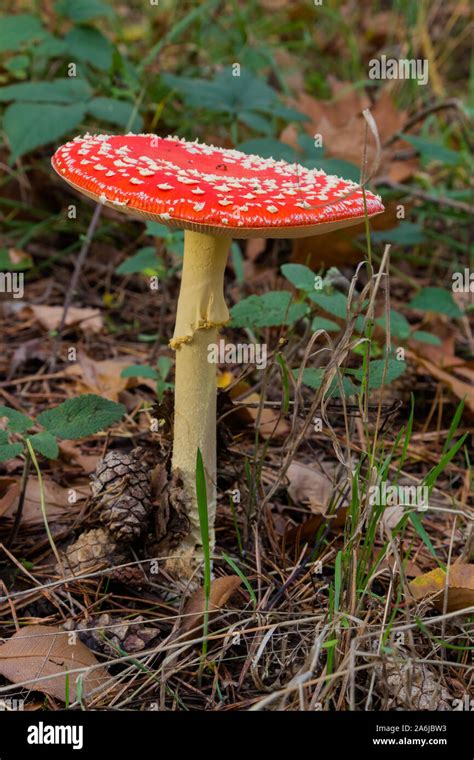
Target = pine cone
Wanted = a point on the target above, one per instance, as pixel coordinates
(121, 488)
(109, 635)
(93, 550)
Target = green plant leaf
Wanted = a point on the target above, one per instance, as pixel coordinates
(313, 377)
(85, 10)
(17, 422)
(45, 443)
(426, 337)
(320, 323)
(116, 112)
(17, 29)
(145, 261)
(89, 45)
(268, 147)
(67, 90)
(406, 233)
(299, 275)
(29, 125)
(268, 310)
(140, 370)
(399, 325)
(334, 303)
(436, 299)
(9, 451)
(164, 365)
(49, 47)
(432, 151)
(81, 416)
(394, 370)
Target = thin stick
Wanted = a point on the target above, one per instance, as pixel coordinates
(43, 504)
(448, 202)
(19, 510)
(74, 280)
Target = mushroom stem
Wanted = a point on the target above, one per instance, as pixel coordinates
(201, 311)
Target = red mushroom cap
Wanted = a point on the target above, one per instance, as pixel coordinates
(195, 186)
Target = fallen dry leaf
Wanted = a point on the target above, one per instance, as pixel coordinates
(10, 489)
(88, 320)
(309, 486)
(72, 452)
(42, 650)
(340, 123)
(103, 377)
(461, 387)
(460, 587)
(193, 615)
(58, 501)
(298, 535)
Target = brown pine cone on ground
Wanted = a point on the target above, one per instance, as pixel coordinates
(93, 550)
(122, 491)
(110, 635)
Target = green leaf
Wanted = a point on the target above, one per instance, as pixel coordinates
(145, 260)
(436, 299)
(49, 47)
(17, 29)
(140, 370)
(17, 65)
(45, 443)
(89, 45)
(67, 90)
(17, 422)
(10, 450)
(394, 370)
(426, 337)
(85, 10)
(268, 147)
(225, 93)
(313, 377)
(81, 416)
(334, 303)
(29, 125)
(337, 167)
(299, 275)
(406, 233)
(399, 325)
(268, 310)
(164, 365)
(116, 112)
(257, 122)
(432, 151)
(3, 438)
(320, 323)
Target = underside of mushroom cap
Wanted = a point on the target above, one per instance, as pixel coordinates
(191, 185)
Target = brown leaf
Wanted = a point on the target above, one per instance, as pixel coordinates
(42, 650)
(460, 587)
(462, 388)
(88, 320)
(104, 377)
(71, 451)
(56, 497)
(9, 492)
(298, 535)
(310, 486)
(193, 615)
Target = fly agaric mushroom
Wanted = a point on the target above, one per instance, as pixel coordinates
(214, 194)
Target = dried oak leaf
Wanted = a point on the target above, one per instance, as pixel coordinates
(37, 651)
(193, 615)
(309, 486)
(9, 492)
(460, 587)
